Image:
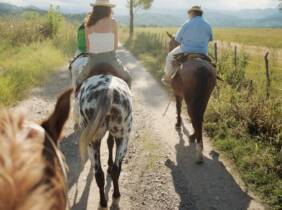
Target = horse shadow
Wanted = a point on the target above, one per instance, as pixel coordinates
(70, 149)
(204, 187)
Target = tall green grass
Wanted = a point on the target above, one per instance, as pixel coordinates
(26, 67)
(31, 47)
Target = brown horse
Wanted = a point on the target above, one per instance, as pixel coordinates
(32, 173)
(194, 82)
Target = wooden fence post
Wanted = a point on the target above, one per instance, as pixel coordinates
(267, 73)
(215, 52)
(235, 57)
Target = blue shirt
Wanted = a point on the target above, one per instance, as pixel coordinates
(195, 35)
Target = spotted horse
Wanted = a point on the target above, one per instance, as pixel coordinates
(105, 104)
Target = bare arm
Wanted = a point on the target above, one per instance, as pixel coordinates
(116, 34)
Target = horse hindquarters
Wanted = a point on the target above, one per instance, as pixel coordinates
(197, 104)
(105, 104)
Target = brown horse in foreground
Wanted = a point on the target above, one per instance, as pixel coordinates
(32, 172)
(194, 82)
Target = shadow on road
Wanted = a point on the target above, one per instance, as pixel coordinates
(83, 201)
(208, 186)
(70, 149)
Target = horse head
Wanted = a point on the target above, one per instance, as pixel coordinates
(31, 166)
(172, 42)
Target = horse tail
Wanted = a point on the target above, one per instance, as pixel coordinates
(93, 131)
(201, 94)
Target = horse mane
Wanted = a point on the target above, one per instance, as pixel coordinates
(23, 181)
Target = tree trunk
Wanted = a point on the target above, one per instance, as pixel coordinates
(131, 24)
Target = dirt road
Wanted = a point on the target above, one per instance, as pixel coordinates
(159, 171)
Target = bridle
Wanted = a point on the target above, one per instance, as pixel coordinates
(58, 155)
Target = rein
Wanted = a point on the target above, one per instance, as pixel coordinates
(58, 155)
(62, 165)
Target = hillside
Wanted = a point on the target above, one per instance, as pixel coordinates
(9, 9)
(175, 17)
(243, 18)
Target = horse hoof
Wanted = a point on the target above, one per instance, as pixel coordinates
(200, 160)
(115, 202)
(199, 154)
(102, 208)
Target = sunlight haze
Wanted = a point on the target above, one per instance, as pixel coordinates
(77, 6)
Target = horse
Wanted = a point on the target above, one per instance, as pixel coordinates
(32, 170)
(104, 104)
(194, 82)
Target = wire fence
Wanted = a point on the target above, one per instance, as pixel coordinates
(264, 68)
(267, 61)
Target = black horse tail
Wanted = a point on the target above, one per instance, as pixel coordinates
(201, 95)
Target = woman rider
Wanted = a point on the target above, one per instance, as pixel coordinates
(101, 33)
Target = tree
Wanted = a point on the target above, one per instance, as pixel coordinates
(53, 21)
(134, 6)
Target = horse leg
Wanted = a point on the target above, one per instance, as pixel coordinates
(110, 142)
(76, 115)
(94, 154)
(192, 137)
(178, 111)
(120, 153)
(196, 112)
(198, 126)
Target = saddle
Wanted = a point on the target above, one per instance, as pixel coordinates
(100, 69)
(183, 57)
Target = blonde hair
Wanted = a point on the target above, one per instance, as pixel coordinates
(24, 184)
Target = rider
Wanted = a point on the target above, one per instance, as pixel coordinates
(101, 36)
(193, 37)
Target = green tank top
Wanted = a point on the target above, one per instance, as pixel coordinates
(81, 39)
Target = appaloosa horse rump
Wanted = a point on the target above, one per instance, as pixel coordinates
(104, 104)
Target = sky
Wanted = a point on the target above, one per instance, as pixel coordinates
(77, 5)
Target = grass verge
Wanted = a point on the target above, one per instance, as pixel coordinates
(31, 47)
(26, 67)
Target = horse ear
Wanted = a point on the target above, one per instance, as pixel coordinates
(55, 123)
(169, 35)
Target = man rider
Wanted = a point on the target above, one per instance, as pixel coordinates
(193, 37)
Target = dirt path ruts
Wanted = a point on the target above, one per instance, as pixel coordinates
(159, 171)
